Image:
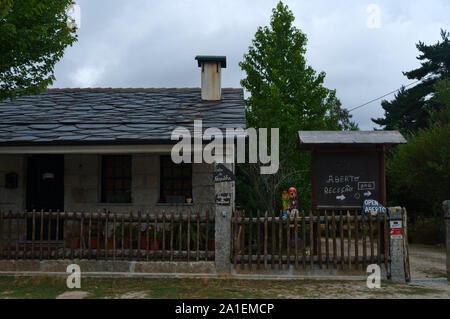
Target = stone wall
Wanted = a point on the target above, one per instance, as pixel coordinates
(13, 199)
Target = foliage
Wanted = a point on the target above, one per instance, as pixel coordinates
(411, 108)
(135, 230)
(33, 36)
(263, 192)
(340, 118)
(441, 100)
(429, 231)
(193, 235)
(288, 94)
(418, 173)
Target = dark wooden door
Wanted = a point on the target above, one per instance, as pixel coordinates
(45, 191)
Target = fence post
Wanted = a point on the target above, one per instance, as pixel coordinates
(406, 245)
(224, 197)
(446, 205)
(397, 245)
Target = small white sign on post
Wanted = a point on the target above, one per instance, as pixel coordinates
(396, 227)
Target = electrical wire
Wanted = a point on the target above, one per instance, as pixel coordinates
(378, 98)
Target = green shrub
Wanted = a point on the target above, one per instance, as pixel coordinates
(418, 172)
(429, 231)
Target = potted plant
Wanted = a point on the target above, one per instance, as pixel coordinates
(151, 234)
(75, 241)
(193, 237)
(110, 243)
(95, 238)
(126, 235)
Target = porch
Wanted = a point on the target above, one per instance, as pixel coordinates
(117, 179)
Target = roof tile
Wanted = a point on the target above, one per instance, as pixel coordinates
(108, 115)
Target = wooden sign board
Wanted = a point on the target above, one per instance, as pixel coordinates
(345, 179)
(223, 174)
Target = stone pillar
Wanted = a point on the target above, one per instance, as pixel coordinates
(446, 205)
(397, 247)
(406, 245)
(223, 216)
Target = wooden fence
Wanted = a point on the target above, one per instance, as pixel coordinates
(107, 236)
(330, 239)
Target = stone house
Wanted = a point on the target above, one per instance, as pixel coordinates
(94, 149)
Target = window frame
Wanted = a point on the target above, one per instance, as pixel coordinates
(123, 178)
(186, 181)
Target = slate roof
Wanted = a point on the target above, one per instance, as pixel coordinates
(308, 138)
(113, 116)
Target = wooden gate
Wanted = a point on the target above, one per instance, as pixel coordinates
(343, 240)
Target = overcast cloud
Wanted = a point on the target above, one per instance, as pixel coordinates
(149, 43)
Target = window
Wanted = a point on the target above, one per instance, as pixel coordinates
(175, 181)
(116, 179)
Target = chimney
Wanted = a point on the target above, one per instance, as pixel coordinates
(211, 75)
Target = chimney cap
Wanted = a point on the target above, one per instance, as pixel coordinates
(212, 58)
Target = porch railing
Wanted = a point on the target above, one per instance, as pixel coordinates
(182, 236)
(342, 240)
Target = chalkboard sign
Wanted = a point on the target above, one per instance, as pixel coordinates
(346, 179)
(223, 174)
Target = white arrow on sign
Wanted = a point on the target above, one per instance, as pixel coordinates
(367, 194)
(342, 197)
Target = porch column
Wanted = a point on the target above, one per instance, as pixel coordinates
(224, 196)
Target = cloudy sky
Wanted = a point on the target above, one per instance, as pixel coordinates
(152, 43)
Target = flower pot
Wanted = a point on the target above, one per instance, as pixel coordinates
(126, 243)
(76, 242)
(110, 243)
(211, 244)
(152, 244)
(94, 242)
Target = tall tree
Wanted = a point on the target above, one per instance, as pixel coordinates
(410, 109)
(288, 94)
(284, 91)
(33, 36)
(440, 113)
(340, 118)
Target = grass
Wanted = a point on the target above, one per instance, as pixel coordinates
(50, 287)
(436, 274)
(418, 291)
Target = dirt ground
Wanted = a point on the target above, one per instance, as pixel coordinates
(428, 268)
(428, 279)
(428, 272)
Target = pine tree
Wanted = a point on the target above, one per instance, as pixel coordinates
(411, 108)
